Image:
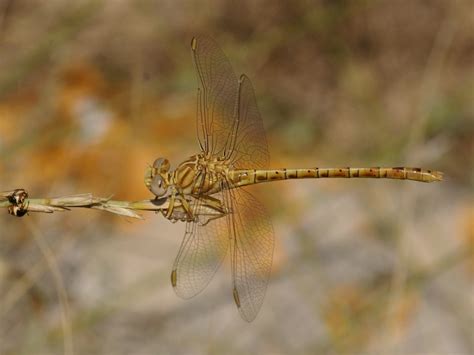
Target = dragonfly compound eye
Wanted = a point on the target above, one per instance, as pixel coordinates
(158, 186)
(162, 165)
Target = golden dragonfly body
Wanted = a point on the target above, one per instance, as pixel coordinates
(234, 154)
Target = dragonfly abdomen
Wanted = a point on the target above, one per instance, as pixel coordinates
(400, 173)
(250, 177)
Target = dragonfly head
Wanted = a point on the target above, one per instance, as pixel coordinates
(157, 177)
(162, 165)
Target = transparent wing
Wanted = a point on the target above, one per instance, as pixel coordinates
(229, 126)
(201, 252)
(217, 95)
(249, 148)
(251, 252)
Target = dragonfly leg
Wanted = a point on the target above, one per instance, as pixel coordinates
(213, 203)
(186, 206)
(211, 219)
(170, 209)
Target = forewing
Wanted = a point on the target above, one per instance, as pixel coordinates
(251, 252)
(217, 95)
(249, 148)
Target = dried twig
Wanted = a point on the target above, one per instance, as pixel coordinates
(18, 204)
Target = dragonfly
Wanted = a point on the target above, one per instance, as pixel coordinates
(208, 190)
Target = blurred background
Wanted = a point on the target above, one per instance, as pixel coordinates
(93, 91)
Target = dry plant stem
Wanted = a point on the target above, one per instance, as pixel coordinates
(87, 200)
(10, 200)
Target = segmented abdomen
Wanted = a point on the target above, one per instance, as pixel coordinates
(249, 177)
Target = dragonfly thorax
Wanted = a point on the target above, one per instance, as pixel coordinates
(196, 173)
(215, 164)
